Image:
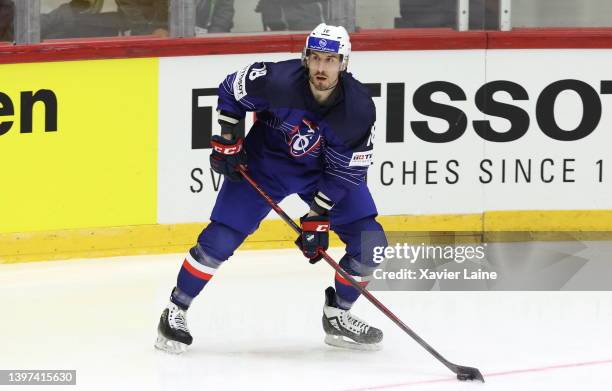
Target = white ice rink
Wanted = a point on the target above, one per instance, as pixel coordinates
(257, 325)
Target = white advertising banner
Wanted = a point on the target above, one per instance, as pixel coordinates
(457, 131)
(187, 188)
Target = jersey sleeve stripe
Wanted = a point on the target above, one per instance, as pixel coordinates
(342, 177)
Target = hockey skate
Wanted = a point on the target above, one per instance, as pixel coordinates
(172, 333)
(345, 330)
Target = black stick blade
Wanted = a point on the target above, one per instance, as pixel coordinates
(469, 373)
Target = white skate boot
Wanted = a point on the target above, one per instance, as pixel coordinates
(173, 335)
(345, 330)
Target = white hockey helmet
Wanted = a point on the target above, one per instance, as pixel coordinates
(331, 39)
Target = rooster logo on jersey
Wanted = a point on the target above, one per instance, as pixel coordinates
(304, 138)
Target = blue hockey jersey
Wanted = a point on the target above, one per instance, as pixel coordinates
(295, 142)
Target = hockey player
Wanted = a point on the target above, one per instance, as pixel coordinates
(312, 137)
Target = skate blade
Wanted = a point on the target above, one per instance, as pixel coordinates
(169, 346)
(342, 342)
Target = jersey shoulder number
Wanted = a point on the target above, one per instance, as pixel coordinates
(246, 77)
(257, 72)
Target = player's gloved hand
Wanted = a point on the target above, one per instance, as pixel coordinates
(226, 156)
(315, 236)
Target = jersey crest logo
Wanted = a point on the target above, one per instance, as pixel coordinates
(304, 138)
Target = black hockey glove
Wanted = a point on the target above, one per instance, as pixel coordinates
(315, 236)
(226, 156)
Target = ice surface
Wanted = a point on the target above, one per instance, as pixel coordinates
(257, 325)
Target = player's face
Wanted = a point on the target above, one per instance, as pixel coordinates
(323, 69)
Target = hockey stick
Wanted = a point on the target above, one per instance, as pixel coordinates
(463, 373)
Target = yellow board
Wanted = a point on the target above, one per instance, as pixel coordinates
(178, 238)
(99, 168)
(549, 220)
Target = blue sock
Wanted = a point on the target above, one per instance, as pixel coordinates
(346, 294)
(197, 270)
